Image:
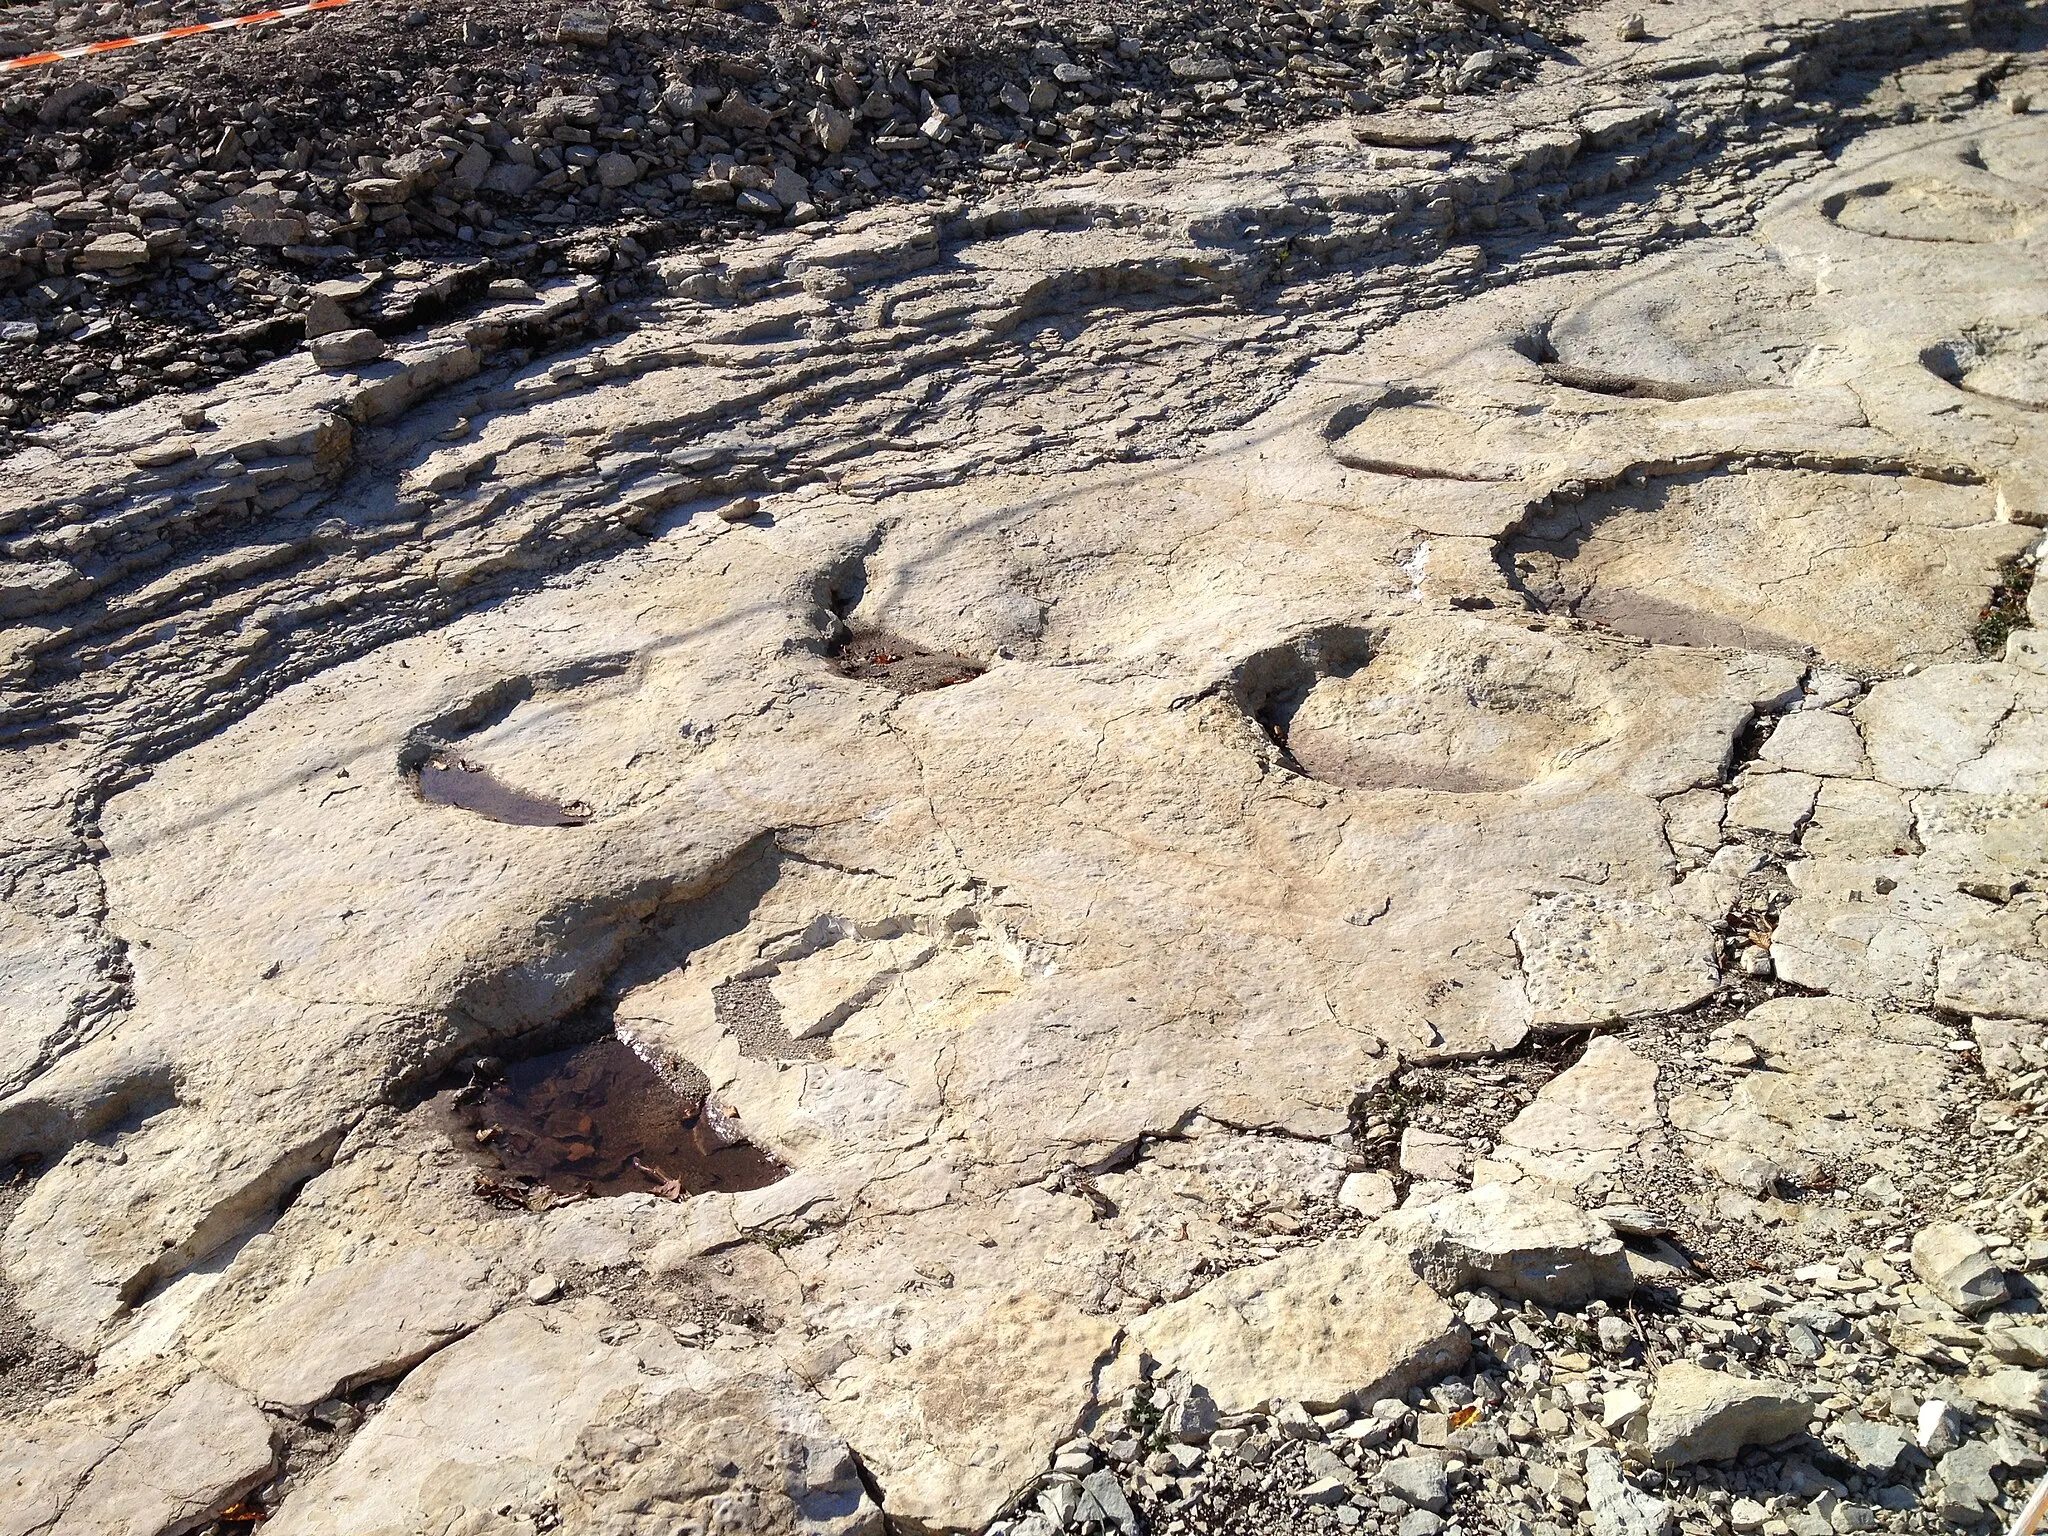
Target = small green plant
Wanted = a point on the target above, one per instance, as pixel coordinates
(2006, 610)
(1143, 1415)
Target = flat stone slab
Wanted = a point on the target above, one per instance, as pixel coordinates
(354, 1324)
(1343, 1322)
(1523, 1243)
(191, 1459)
(1594, 959)
(574, 1413)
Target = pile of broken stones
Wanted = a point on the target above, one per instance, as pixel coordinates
(169, 220)
(1603, 1390)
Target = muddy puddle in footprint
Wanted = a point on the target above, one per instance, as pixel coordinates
(599, 1119)
(469, 786)
(874, 656)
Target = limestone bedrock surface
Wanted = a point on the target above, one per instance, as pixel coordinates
(1421, 595)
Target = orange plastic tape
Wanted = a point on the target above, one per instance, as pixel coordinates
(114, 44)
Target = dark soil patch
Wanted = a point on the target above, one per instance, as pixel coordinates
(601, 1120)
(874, 656)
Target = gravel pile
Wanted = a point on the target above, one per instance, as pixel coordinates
(172, 216)
(1894, 1390)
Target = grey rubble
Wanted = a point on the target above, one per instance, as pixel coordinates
(1412, 647)
(225, 192)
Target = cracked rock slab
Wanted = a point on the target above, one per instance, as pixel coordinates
(353, 1324)
(1327, 1327)
(956, 1425)
(577, 1412)
(1838, 1079)
(1591, 959)
(1887, 930)
(1582, 1124)
(206, 1447)
(1357, 689)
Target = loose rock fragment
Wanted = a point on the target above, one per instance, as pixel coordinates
(2024, 1393)
(346, 349)
(1523, 1244)
(1954, 1263)
(589, 27)
(1939, 1428)
(1419, 1481)
(1618, 1508)
(1702, 1415)
(1320, 1326)
(1877, 1448)
(114, 253)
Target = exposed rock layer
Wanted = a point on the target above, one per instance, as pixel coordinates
(1406, 644)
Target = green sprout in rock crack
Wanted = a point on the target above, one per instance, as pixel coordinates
(2006, 610)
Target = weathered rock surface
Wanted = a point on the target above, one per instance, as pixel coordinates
(1419, 1482)
(351, 1325)
(1702, 1415)
(1328, 1327)
(1618, 1509)
(596, 1419)
(948, 1438)
(1953, 1261)
(2024, 1393)
(1522, 1244)
(1375, 645)
(171, 1472)
(1583, 1124)
(1592, 960)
